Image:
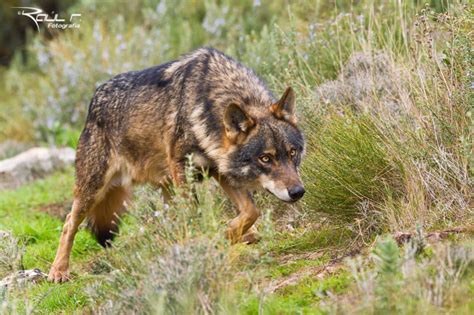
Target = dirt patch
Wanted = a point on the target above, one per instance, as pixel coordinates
(58, 209)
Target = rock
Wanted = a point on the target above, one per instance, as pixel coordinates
(11, 148)
(369, 82)
(22, 277)
(33, 164)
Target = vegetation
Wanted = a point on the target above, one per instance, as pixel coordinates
(385, 100)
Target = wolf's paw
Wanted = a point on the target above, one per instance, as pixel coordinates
(251, 237)
(58, 275)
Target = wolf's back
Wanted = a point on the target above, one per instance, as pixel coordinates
(205, 77)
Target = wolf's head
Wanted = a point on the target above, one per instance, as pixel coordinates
(266, 149)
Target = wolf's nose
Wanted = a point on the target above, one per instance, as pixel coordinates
(296, 192)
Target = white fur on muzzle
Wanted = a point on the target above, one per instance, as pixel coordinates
(270, 185)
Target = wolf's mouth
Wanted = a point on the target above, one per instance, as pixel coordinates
(286, 201)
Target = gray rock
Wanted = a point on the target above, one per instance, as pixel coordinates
(33, 164)
(11, 148)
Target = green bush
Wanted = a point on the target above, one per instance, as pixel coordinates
(347, 164)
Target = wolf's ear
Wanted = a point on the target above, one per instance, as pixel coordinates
(285, 107)
(237, 122)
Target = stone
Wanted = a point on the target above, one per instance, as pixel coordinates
(33, 164)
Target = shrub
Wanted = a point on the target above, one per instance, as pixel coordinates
(347, 167)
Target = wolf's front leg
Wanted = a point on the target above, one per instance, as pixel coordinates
(241, 228)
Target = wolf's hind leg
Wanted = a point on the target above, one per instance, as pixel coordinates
(241, 228)
(92, 163)
(59, 270)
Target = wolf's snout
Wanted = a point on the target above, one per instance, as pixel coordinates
(296, 192)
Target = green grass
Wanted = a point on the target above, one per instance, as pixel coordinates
(49, 298)
(326, 237)
(301, 298)
(39, 232)
(282, 270)
(309, 291)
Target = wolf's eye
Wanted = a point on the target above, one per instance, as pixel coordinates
(292, 152)
(265, 159)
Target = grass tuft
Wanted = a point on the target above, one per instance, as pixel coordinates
(348, 171)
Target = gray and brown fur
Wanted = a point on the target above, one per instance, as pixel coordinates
(142, 125)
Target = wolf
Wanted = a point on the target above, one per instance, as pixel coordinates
(143, 125)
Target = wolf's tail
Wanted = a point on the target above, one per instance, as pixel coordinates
(104, 218)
